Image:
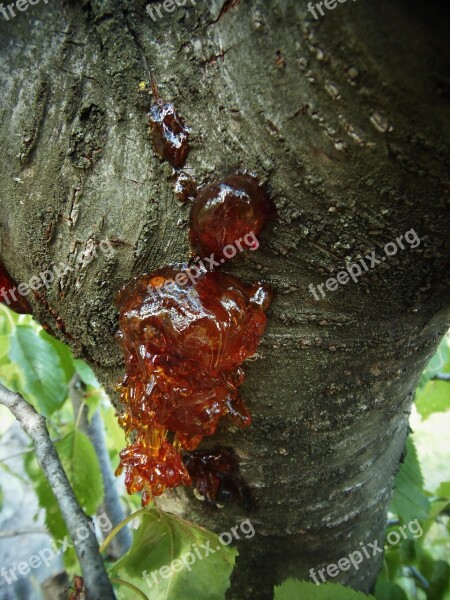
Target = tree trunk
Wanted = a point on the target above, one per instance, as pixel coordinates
(346, 119)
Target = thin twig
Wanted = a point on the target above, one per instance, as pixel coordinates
(17, 532)
(2, 460)
(441, 377)
(97, 583)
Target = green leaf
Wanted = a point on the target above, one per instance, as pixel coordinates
(389, 591)
(82, 468)
(8, 320)
(66, 359)
(168, 552)
(295, 590)
(5, 334)
(444, 490)
(53, 517)
(115, 435)
(437, 572)
(83, 471)
(392, 565)
(11, 376)
(43, 378)
(439, 363)
(94, 394)
(433, 398)
(86, 374)
(436, 507)
(408, 501)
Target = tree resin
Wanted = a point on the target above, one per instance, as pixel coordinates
(184, 338)
(169, 134)
(227, 210)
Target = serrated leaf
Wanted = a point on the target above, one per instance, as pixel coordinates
(409, 502)
(164, 542)
(7, 325)
(42, 379)
(4, 346)
(433, 398)
(93, 399)
(293, 589)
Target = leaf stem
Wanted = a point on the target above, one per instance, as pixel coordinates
(135, 589)
(118, 527)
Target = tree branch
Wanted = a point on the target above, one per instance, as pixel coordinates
(98, 586)
(18, 532)
(441, 377)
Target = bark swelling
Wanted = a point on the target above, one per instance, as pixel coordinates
(346, 119)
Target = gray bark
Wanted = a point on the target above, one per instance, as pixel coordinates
(96, 581)
(346, 120)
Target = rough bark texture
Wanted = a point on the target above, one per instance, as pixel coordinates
(346, 119)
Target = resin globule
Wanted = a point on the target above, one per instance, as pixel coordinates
(225, 211)
(215, 474)
(9, 294)
(169, 134)
(184, 344)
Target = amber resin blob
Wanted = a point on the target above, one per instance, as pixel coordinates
(169, 134)
(215, 475)
(9, 294)
(185, 335)
(225, 211)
